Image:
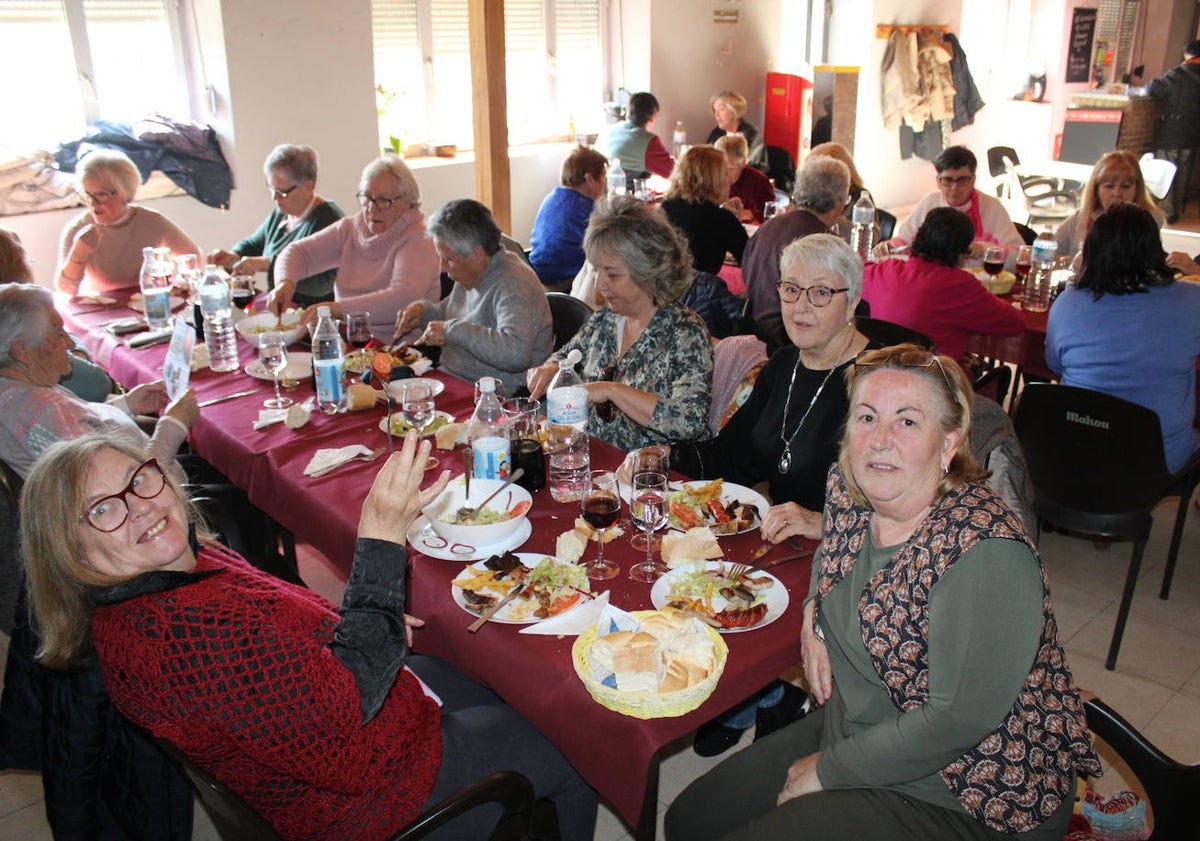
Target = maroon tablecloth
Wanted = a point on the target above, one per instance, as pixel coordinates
(617, 754)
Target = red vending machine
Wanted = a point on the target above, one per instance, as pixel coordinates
(788, 119)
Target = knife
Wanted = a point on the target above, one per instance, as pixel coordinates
(214, 401)
(495, 608)
(793, 557)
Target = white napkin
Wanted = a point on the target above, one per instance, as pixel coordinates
(573, 622)
(268, 417)
(101, 300)
(421, 366)
(325, 459)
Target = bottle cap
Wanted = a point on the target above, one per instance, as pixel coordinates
(322, 312)
(487, 385)
(573, 357)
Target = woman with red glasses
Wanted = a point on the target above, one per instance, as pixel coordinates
(101, 249)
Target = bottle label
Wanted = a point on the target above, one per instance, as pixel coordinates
(1043, 252)
(328, 374)
(863, 216)
(491, 458)
(158, 304)
(567, 405)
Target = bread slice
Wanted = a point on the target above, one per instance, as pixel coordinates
(450, 436)
(570, 545)
(585, 528)
(696, 544)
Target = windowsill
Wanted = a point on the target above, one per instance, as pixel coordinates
(528, 150)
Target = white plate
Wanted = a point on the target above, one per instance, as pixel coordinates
(354, 361)
(777, 598)
(435, 385)
(135, 303)
(425, 540)
(299, 367)
(400, 422)
(519, 611)
(731, 491)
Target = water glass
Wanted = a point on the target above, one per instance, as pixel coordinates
(771, 209)
(523, 426)
(648, 506)
(272, 353)
(417, 404)
(649, 460)
(523, 415)
(639, 189)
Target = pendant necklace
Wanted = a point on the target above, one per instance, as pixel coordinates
(785, 459)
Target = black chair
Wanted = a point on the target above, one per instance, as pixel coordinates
(1098, 468)
(1170, 786)
(234, 820)
(1045, 199)
(890, 333)
(1027, 233)
(11, 576)
(781, 168)
(516, 248)
(567, 314)
(886, 222)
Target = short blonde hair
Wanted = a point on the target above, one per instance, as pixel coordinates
(406, 182)
(839, 152)
(14, 263)
(57, 579)
(734, 146)
(113, 167)
(733, 100)
(699, 176)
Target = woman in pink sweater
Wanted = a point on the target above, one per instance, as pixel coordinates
(383, 258)
(931, 294)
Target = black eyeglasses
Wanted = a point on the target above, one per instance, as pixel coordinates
(955, 181)
(283, 194)
(101, 197)
(111, 512)
(901, 359)
(382, 202)
(819, 295)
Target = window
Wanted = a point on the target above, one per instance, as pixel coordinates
(423, 69)
(68, 63)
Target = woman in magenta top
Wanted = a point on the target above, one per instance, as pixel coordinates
(931, 294)
(384, 259)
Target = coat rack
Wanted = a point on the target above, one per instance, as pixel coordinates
(885, 30)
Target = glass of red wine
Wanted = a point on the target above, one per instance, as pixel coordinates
(606, 411)
(1024, 264)
(601, 506)
(358, 330)
(993, 260)
(241, 289)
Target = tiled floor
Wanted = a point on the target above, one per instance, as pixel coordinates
(1156, 685)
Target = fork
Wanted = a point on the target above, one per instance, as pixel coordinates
(371, 456)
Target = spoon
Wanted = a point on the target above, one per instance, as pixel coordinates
(468, 512)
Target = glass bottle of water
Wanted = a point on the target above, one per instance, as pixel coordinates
(219, 334)
(862, 234)
(616, 178)
(155, 281)
(328, 358)
(488, 433)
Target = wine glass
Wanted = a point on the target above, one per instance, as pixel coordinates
(771, 209)
(358, 330)
(651, 459)
(1024, 263)
(418, 406)
(187, 268)
(648, 507)
(272, 353)
(601, 506)
(993, 260)
(241, 290)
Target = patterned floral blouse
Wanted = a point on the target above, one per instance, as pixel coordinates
(671, 358)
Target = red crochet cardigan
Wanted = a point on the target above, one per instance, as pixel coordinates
(234, 668)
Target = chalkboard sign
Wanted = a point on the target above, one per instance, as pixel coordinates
(1079, 52)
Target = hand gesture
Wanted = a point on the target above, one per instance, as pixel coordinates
(184, 409)
(224, 259)
(407, 320)
(87, 240)
(396, 497)
(537, 380)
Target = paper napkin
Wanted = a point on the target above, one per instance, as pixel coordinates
(325, 459)
(574, 622)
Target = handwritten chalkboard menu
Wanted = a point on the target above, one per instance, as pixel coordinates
(1079, 52)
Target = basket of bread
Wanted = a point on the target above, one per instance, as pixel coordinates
(648, 663)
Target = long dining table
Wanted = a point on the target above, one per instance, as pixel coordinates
(617, 754)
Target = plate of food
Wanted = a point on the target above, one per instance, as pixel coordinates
(136, 303)
(396, 387)
(725, 507)
(299, 367)
(552, 586)
(730, 604)
(361, 360)
(425, 540)
(400, 426)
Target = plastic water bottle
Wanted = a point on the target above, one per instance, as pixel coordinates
(328, 357)
(616, 178)
(678, 139)
(155, 281)
(1042, 257)
(567, 398)
(862, 234)
(219, 335)
(570, 462)
(488, 434)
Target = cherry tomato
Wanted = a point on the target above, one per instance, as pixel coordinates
(684, 514)
(564, 603)
(520, 508)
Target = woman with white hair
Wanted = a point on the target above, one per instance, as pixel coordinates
(299, 212)
(384, 259)
(101, 249)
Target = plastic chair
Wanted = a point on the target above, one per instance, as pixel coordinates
(234, 820)
(567, 314)
(1158, 174)
(1041, 199)
(1098, 467)
(889, 333)
(1027, 233)
(1170, 786)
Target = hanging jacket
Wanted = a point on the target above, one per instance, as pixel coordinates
(967, 100)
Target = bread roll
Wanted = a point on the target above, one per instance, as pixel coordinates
(450, 436)
(570, 545)
(585, 528)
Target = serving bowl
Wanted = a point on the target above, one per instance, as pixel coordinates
(479, 535)
(252, 327)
